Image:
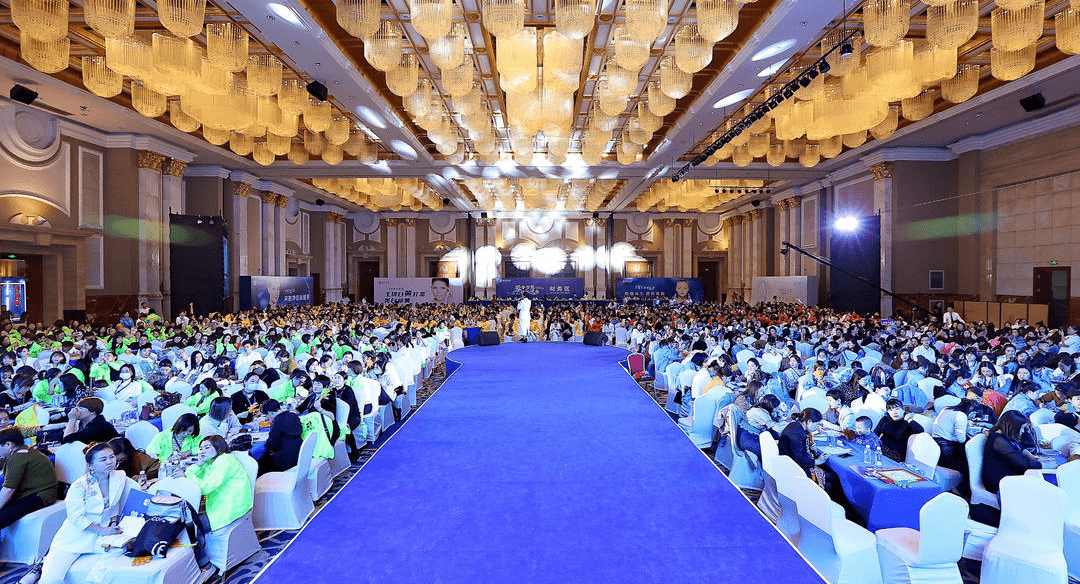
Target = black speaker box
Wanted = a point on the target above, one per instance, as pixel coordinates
(488, 338)
(594, 338)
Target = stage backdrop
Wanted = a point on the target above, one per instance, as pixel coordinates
(418, 290)
(646, 288)
(802, 289)
(550, 288)
(266, 291)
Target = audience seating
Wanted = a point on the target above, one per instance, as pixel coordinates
(699, 426)
(979, 494)
(69, 462)
(170, 414)
(283, 499)
(842, 551)
(769, 501)
(924, 451)
(1068, 478)
(745, 468)
(786, 472)
(27, 540)
(1028, 544)
(114, 410)
(140, 434)
(228, 546)
(930, 554)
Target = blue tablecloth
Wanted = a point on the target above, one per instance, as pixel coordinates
(472, 335)
(880, 504)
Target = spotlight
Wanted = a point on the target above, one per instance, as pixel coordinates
(717, 191)
(318, 90)
(804, 81)
(846, 50)
(824, 67)
(846, 224)
(812, 73)
(788, 92)
(319, 202)
(23, 94)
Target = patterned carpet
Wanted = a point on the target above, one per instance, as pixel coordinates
(273, 542)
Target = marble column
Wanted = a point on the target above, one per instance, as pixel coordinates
(172, 201)
(269, 231)
(748, 254)
(281, 202)
(782, 235)
(151, 227)
(687, 254)
(758, 216)
(391, 247)
(335, 223)
(670, 225)
(794, 205)
(735, 254)
(883, 205)
(238, 240)
(409, 247)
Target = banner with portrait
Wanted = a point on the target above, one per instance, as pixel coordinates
(540, 288)
(268, 291)
(678, 289)
(418, 290)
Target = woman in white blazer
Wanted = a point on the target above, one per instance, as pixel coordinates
(94, 503)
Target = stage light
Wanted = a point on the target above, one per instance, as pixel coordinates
(846, 224)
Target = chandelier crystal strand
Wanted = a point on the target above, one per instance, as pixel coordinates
(963, 86)
(146, 101)
(1015, 29)
(888, 125)
(262, 154)
(810, 156)
(131, 56)
(298, 156)
(646, 19)
(628, 50)
(1010, 65)
(952, 24)
(574, 18)
(758, 145)
(419, 102)
(831, 147)
(45, 21)
(674, 82)
(621, 81)
(183, 18)
(382, 49)
(227, 46)
(855, 139)
(890, 71)
(933, 64)
(317, 115)
(503, 18)
(1067, 30)
(716, 19)
(99, 79)
(402, 80)
(314, 143)
(448, 51)
(333, 154)
(516, 59)
(177, 64)
(292, 97)
(563, 60)
(659, 102)
(45, 56)
(919, 107)
(215, 136)
(264, 74)
(279, 145)
(431, 18)
(359, 18)
(1012, 4)
(886, 21)
(457, 81)
(692, 52)
(648, 120)
(180, 120)
(110, 18)
(338, 132)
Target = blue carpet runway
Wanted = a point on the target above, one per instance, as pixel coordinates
(538, 463)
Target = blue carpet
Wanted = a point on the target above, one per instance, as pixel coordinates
(539, 462)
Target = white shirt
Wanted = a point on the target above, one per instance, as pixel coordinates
(951, 317)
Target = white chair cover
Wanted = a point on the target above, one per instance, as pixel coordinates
(171, 413)
(842, 551)
(320, 479)
(745, 468)
(927, 385)
(923, 450)
(69, 462)
(700, 426)
(1042, 416)
(283, 499)
(743, 356)
(229, 546)
(979, 494)
(929, 555)
(27, 540)
(177, 385)
(114, 410)
(815, 400)
(140, 434)
(1068, 478)
(769, 502)
(785, 472)
(1028, 545)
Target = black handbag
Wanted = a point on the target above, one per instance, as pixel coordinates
(678, 397)
(167, 517)
(241, 443)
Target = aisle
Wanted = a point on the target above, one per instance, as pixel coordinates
(539, 462)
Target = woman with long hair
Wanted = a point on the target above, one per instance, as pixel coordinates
(1002, 453)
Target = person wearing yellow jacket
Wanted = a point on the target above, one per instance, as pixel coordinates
(226, 485)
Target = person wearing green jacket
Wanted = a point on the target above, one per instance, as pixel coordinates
(229, 494)
(320, 422)
(205, 393)
(182, 438)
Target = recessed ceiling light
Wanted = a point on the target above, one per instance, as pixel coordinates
(371, 117)
(772, 69)
(287, 14)
(733, 99)
(773, 50)
(403, 149)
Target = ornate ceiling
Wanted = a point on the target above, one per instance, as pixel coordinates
(532, 120)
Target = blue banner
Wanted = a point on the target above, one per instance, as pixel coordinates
(678, 289)
(267, 291)
(13, 297)
(540, 288)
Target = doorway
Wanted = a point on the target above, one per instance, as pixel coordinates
(1053, 287)
(366, 272)
(709, 273)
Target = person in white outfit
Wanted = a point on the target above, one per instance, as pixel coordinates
(524, 306)
(93, 503)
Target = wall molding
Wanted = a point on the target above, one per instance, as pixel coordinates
(1021, 131)
(206, 171)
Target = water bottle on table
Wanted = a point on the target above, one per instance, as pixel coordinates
(867, 456)
(877, 456)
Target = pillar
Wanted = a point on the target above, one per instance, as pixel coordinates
(783, 233)
(410, 247)
(335, 234)
(151, 230)
(669, 247)
(735, 253)
(172, 201)
(281, 202)
(687, 249)
(883, 205)
(391, 247)
(267, 211)
(238, 240)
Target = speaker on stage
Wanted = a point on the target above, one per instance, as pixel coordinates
(595, 338)
(488, 338)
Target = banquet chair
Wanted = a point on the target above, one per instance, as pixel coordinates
(745, 469)
(771, 363)
(930, 554)
(320, 477)
(785, 472)
(805, 350)
(114, 410)
(815, 400)
(27, 540)
(1041, 416)
(842, 551)
(1068, 478)
(699, 426)
(636, 363)
(230, 545)
(900, 378)
(140, 434)
(1029, 541)
(769, 501)
(176, 385)
(979, 495)
(924, 451)
(179, 565)
(927, 385)
(1058, 435)
(340, 462)
(283, 499)
(170, 414)
(743, 356)
(69, 462)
